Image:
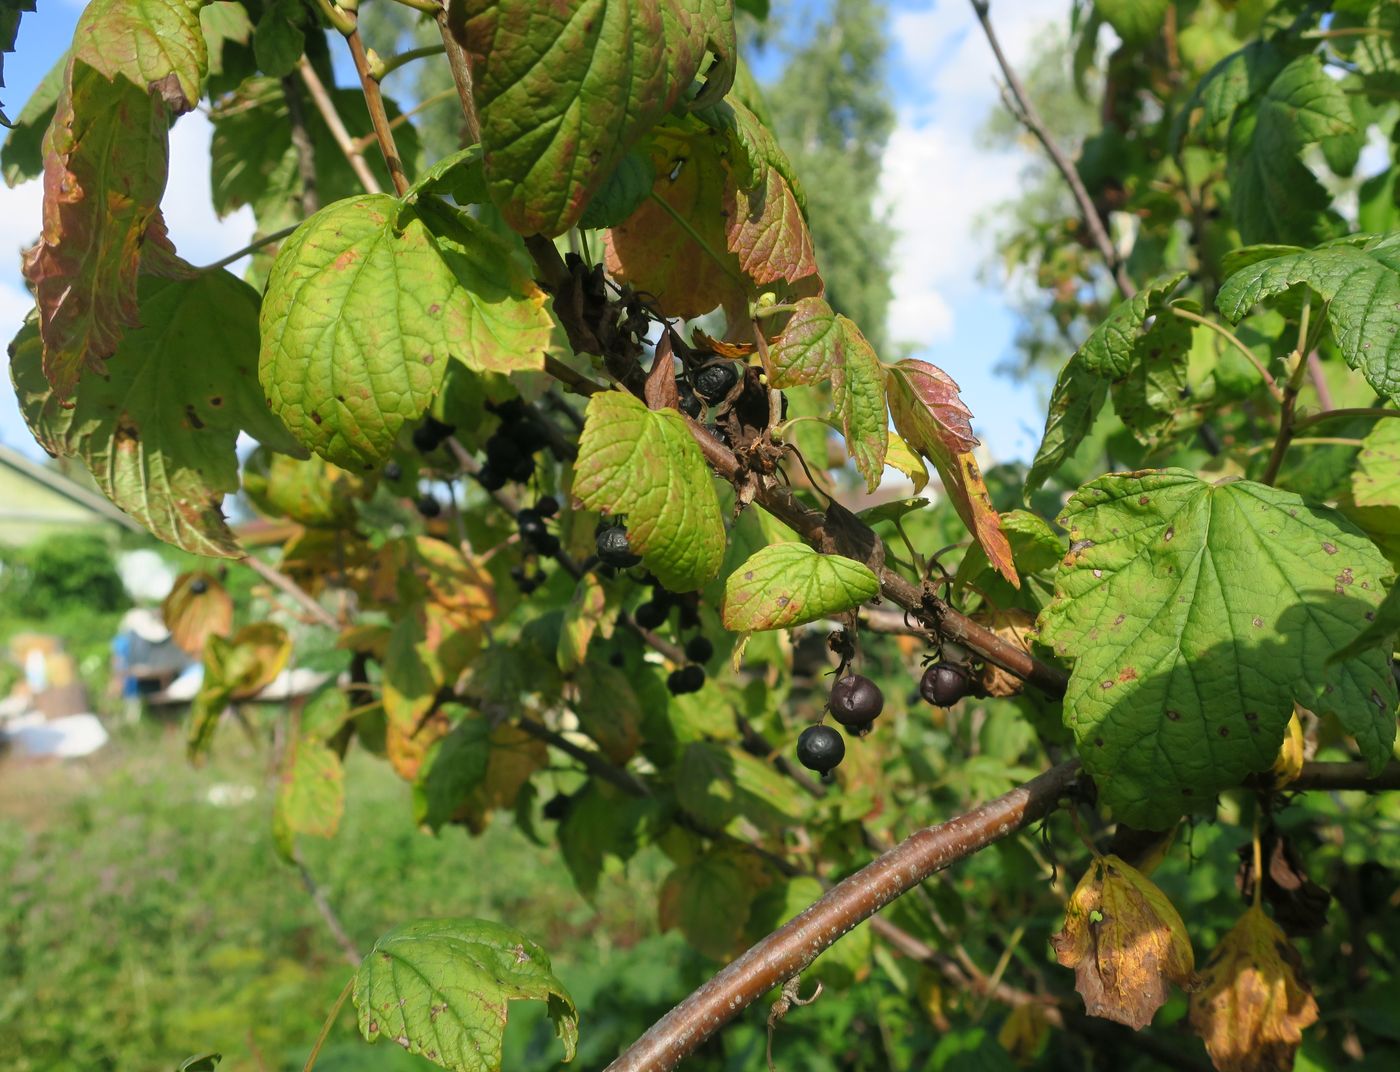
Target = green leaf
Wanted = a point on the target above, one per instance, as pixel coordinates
(1075, 403)
(156, 45)
(788, 584)
(1197, 615)
(608, 710)
(200, 1062)
(810, 347)
(311, 791)
(326, 713)
(1135, 21)
(278, 40)
(591, 611)
(643, 464)
(22, 155)
(931, 418)
(440, 988)
(105, 163)
(458, 175)
(358, 322)
(428, 648)
(1380, 633)
(1359, 283)
(563, 99)
(717, 784)
(709, 900)
(625, 189)
(451, 771)
(858, 389)
(1376, 479)
(158, 433)
(602, 821)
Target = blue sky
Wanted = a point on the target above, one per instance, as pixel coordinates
(937, 182)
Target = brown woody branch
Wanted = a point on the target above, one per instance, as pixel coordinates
(326, 106)
(790, 949)
(282, 582)
(1019, 102)
(378, 115)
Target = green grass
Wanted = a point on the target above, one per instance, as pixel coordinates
(139, 923)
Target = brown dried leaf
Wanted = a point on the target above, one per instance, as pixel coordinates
(193, 617)
(1015, 626)
(1253, 1004)
(1125, 942)
(661, 391)
(1299, 904)
(721, 348)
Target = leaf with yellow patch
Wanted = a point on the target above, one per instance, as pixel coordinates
(197, 608)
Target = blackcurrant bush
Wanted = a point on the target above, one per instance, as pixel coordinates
(613, 549)
(944, 684)
(699, 649)
(856, 699)
(820, 749)
(686, 679)
(527, 436)
(715, 381)
(393, 471)
(547, 506)
(198, 586)
(652, 615)
(490, 478)
(429, 506)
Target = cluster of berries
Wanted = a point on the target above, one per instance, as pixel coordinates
(511, 448)
(712, 384)
(538, 540)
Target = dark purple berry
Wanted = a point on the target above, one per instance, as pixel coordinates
(556, 807)
(429, 506)
(547, 544)
(856, 700)
(502, 453)
(531, 524)
(820, 749)
(690, 616)
(652, 615)
(431, 434)
(547, 506)
(524, 470)
(944, 684)
(613, 549)
(490, 478)
(699, 650)
(719, 433)
(690, 403)
(715, 381)
(686, 679)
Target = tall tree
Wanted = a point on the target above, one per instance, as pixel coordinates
(832, 110)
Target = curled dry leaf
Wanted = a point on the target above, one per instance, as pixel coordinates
(1253, 1004)
(1289, 763)
(1015, 626)
(197, 608)
(1298, 903)
(1125, 942)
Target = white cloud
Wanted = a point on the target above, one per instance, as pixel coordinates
(937, 181)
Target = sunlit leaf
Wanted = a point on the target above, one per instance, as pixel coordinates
(788, 584)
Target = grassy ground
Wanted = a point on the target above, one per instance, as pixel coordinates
(141, 923)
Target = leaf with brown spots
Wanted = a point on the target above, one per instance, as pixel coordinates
(930, 416)
(1253, 1005)
(788, 584)
(1224, 602)
(441, 989)
(1126, 944)
(158, 431)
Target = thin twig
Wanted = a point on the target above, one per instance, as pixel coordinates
(280, 580)
(323, 906)
(462, 77)
(326, 1027)
(1235, 341)
(1286, 428)
(378, 115)
(384, 68)
(596, 764)
(366, 140)
(301, 141)
(1319, 381)
(251, 247)
(1338, 414)
(1025, 112)
(336, 125)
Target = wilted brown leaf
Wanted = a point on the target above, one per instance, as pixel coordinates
(1015, 626)
(197, 608)
(1253, 1005)
(1299, 904)
(1125, 942)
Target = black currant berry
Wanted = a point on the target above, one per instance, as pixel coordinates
(523, 470)
(690, 403)
(529, 584)
(430, 435)
(652, 615)
(509, 411)
(944, 684)
(820, 749)
(502, 453)
(526, 435)
(699, 650)
(613, 549)
(490, 478)
(393, 471)
(556, 807)
(429, 506)
(690, 616)
(856, 700)
(686, 679)
(714, 382)
(547, 506)
(198, 586)
(547, 544)
(719, 433)
(531, 524)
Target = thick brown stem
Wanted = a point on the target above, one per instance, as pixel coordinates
(790, 949)
(378, 115)
(281, 581)
(326, 106)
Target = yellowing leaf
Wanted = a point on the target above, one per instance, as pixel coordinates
(197, 608)
(1291, 753)
(310, 792)
(1253, 1003)
(234, 668)
(309, 491)
(788, 584)
(1125, 942)
(645, 465)
(429, 648)
(156, 45)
